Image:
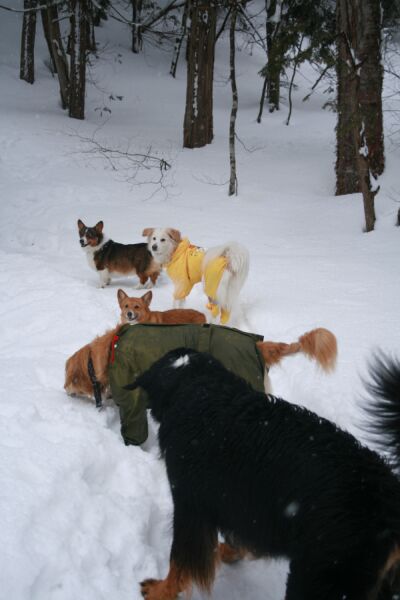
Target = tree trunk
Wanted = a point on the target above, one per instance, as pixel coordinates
(137, 40)
(27, 59)
(233, 184)
(78, 46)
(52, 33)
(275, 58)
(362, 19)
(198, 122)
(371, 81)
(349, 25)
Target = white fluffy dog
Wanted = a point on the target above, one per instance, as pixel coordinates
(222, 269)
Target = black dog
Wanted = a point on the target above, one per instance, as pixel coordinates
(276, 480)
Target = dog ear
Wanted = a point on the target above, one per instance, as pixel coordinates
(99, 226)
(148, 232)
(147, 297)
(121, 295)
(81, 225)
(174, 234)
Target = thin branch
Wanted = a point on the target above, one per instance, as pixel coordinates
(33, 9)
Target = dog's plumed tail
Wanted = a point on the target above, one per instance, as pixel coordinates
(319, 344)
(384, 406)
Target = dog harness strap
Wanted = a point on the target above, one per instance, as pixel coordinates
(113, 345)
(95, 383)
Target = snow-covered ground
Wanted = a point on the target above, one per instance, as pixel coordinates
(81, 515)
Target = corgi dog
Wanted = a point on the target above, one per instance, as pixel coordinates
(222, 269)
(136, 310)
(81, 379)
(111, 259)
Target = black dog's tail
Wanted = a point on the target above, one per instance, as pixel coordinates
(384, 406)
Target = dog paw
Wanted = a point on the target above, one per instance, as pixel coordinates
(155, 589)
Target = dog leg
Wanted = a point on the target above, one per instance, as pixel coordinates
(154, 277)
(104, 278)
(164, 589)
(144, 283)
(228, 554)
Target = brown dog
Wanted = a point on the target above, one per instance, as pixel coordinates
(318, 344)
(78, 378)
(136, 310)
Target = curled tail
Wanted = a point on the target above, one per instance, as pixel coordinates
(319, 344)
(384, 405)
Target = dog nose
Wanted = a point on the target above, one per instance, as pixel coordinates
(82, 242)
(129, 314)
(154, 247)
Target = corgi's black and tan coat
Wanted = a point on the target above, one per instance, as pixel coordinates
(111, 259)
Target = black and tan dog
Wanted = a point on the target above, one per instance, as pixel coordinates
(277, 480)
(111, 259)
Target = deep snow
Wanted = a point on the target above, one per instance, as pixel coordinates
(81, 515)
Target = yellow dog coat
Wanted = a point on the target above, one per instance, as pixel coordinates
(185, 269)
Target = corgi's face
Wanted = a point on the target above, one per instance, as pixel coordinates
(162, 242)
(90, 236)
(134, 310)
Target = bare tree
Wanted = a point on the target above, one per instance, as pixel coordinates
(233, 184)
(348, 23)
(27, 59)
(137, 40)
(358, 24)
(371, 80)
(198, 121)
(275, 55)
(78, 47)
(51, 28)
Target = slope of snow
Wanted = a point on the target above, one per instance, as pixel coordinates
(81, 515)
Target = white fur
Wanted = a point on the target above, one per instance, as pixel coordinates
(90, 251)
(165, 245)
(233, 277)
(235, 274)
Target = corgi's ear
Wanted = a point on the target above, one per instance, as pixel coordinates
(81, 225)
(148, 232)
(147, 297)
(174, 234)
(99, 226)
(121, 296)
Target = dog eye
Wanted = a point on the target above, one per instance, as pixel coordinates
(162, 240)
(136, 306)
(126, 306)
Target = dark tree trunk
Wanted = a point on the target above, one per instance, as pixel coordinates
(27, 59)
(362, 19)
(348, 30)
(233, 184)
(198, 122)
(137, 40)
(371, 80)
(78, 47)
(52, 33)
(274, 50)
